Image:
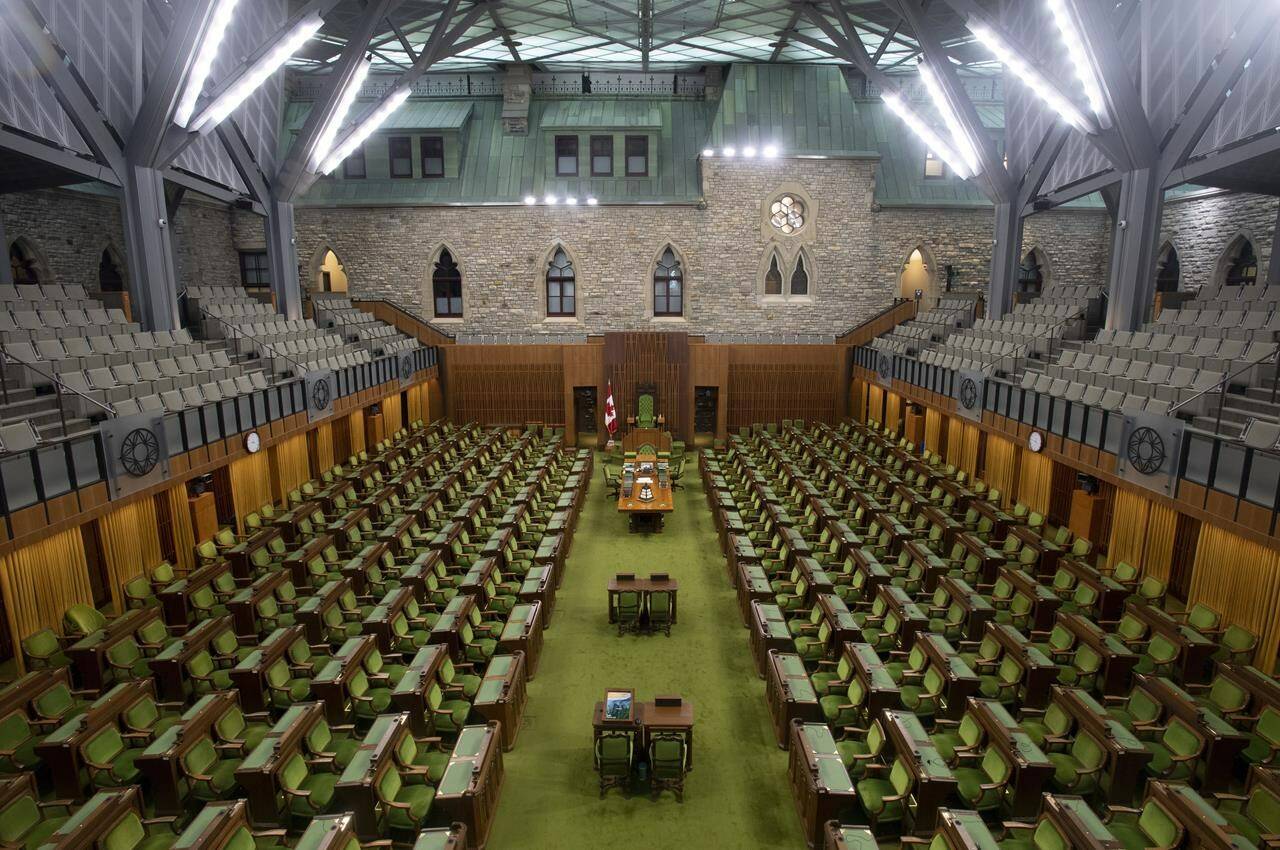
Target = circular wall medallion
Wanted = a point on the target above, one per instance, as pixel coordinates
(884, 366)
(139, 452)
(406, 366)
(1146, 450)
(320, 394)
(968, 393)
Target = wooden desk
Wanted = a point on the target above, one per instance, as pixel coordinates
(933, 782)
(1031, 767)
(89, 654)
(502, 695)
(977, 610)
(61, 749)
(960, 680)
(250, 676)
(1195, 651)
(471, 786)
(646, 514)
(1126, 756)
(161, 762)
(1118, 660)
(1222, 741)
(644, 586)
(522, 632)
(652, 718)
(790, 694)
(175, 597)
(259, 773)
(768, 631)
(820, 785)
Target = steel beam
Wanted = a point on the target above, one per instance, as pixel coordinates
(282, 257)
(994, 179)
(1006, 254)
(782, 36)
(1215, 86)
(65, 159)
(298, 162)
(152, 270)
(1098, 30)
(1032, 180)
(1273, 261)
(166, 84)
(48, 57)
(6, 271)
(1267, 145)
(1133, 249)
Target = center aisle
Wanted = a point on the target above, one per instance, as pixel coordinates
(737, 794)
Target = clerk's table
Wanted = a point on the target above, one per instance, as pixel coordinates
(651, 479)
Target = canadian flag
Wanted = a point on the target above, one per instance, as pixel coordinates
(610, 412)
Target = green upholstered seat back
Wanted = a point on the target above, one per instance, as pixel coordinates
(126, 834)
(1159, 826)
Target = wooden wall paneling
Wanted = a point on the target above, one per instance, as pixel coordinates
(768, 383)
(506, 384)
(635, 359)
(583, 366)
(709, 367)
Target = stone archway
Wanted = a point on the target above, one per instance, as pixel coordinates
(919, 273)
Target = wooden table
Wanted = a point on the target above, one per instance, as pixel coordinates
(646, 515)
(644, 586)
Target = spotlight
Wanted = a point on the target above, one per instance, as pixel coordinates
(591, 202)
(530, 200)
(770, 151)
(571, 201)
(708, 153)
(549, 199)
(749, 152)
(729, 152)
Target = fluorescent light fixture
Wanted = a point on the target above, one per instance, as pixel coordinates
(749, 152)
(1079, 59)
(959, 138)
(530, 200)
(1030, 77)
(571, 201)
(770, 151)
(931, 139)
(257, 74)
(202, 65)
(329, 133)
(549, 199)
(708, 152)
(591, 202)
(728, 152)
(365, 129)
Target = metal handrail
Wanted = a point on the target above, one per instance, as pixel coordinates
(58, 386)
(239, 334)
(412, 315)
(1027, 345)
(1221, 386)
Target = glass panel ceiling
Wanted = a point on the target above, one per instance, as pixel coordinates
(561, 35)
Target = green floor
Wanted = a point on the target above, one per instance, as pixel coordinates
(737, 794)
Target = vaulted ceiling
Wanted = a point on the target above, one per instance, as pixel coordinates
(666, 35)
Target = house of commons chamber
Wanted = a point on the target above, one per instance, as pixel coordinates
(639, 424)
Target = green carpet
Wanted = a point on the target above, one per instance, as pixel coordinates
(737, 794)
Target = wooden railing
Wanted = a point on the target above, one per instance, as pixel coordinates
(901, 310)
(402, 320)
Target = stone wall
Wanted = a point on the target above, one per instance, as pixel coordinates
(69, 229)
(1202, 228)
(503, 253)
(854, 252)
(65, 232)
